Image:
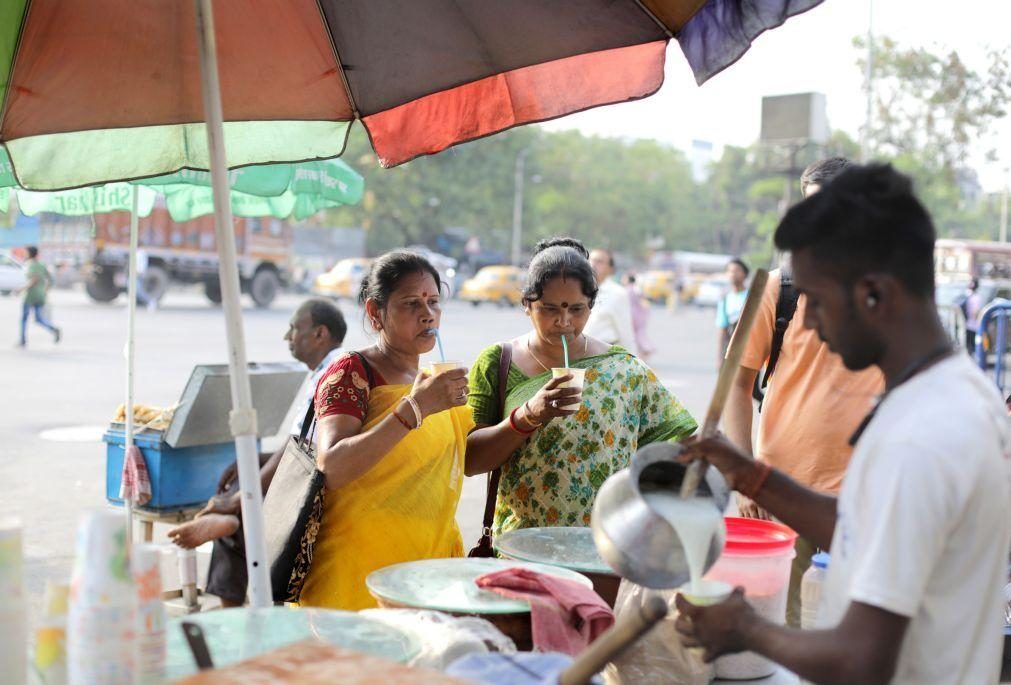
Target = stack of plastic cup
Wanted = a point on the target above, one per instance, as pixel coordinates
(51, 637)
(101, 629)
(146, 567)
(13, 605)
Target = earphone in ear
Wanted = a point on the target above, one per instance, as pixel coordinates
(872, 301)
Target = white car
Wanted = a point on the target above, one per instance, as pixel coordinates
(711, 292)
(12, 274)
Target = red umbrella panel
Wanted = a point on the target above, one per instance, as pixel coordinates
(113, 86)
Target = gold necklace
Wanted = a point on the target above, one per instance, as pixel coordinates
(586, 342)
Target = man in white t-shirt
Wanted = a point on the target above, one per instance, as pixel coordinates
(315, 335)
(611, 317)
(920, 531)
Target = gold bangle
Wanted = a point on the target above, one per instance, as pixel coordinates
(527, 416)
(417, 410)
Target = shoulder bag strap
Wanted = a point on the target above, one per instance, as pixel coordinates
(504, 362)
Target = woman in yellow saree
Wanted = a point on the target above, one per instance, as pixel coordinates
(390, 442)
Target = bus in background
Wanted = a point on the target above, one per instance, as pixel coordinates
(956, 263)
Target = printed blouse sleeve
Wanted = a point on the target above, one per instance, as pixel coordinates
(343, 389)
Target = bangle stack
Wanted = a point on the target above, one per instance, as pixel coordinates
(527, 414)
(418, 418)
(515, 427)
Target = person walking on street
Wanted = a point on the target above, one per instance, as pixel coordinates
(919, 532)
(813, 403)
(38, 281)
(611, 318)
(971, 307)
(729, 308)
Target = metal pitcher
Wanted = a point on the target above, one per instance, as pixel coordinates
(631, 537)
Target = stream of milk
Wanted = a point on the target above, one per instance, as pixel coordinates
(695, 520)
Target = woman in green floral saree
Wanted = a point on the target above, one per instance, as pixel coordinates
(555, 454)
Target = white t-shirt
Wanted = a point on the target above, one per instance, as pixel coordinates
(611, 317)
(924, 524)
(308, 389)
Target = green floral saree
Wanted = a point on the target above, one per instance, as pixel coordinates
(553, 479)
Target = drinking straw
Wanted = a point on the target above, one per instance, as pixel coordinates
(438, 339)
(565, 351)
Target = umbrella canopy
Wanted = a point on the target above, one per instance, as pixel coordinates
(113, 86)
(111, 197)
(279, 190)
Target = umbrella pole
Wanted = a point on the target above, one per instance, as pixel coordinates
(243, 415)
(131, 316)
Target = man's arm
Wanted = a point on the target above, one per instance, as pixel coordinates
(811, 514)
(864, 648)
(739, 411)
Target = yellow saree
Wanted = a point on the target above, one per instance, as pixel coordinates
(404, 509)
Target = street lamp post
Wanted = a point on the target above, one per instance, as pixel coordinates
(1003, 208)
(521, 162)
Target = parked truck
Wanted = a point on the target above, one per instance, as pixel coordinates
(187, 253)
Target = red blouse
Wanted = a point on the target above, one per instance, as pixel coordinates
(344, 388)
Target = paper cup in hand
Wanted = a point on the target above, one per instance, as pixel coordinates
(443, 367)
(578, 376)
(708, 593)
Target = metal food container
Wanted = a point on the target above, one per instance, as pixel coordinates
(185, 460)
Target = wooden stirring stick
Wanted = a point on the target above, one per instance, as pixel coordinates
(728, 372)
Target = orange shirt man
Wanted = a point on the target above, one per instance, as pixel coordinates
(813, 404)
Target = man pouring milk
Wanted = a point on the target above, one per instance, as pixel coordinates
(919, 533)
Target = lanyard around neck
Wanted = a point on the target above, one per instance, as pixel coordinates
(916, 367)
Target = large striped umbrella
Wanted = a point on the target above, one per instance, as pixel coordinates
(106, 90)
(92, 78)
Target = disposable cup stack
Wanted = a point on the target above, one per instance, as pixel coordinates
(146, 566)
(102, 628)
(51, 637)
(13, 605)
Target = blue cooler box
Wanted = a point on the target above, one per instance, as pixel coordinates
(180, 477)
(185, 460)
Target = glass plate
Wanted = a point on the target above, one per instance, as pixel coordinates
(448, 585)
(570, 548)
(234, 635)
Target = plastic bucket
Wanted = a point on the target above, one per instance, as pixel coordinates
(757, 556)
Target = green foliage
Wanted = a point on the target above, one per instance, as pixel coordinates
(931, 112)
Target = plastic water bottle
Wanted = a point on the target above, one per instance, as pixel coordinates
(810, 590)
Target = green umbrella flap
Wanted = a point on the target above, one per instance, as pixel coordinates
(331, 179)
(7, 179)
(265, 180)
(186, 203)
(111, 197)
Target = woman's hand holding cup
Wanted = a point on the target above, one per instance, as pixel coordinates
(552, 401)
(437, 393)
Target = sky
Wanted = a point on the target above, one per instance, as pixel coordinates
(810, 52)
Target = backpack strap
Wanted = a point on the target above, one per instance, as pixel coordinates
(786, 307)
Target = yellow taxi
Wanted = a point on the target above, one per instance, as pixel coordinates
(656, 286)
(343, 280)
(500, 284)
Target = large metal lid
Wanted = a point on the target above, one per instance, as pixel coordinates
(202, 416)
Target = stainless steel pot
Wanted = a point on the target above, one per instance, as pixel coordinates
(636, 541)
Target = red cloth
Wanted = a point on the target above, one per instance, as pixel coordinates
(135, 484)
(565, 616)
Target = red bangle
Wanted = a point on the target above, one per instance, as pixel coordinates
(516, 428)
(402, 421)
(758, 480)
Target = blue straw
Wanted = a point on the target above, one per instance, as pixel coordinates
(438, 339)
(565, 351)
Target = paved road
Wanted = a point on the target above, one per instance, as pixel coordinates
(51, 474)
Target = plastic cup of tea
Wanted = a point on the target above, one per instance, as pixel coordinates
(578, 376)
(443, 367)
(708, 593)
